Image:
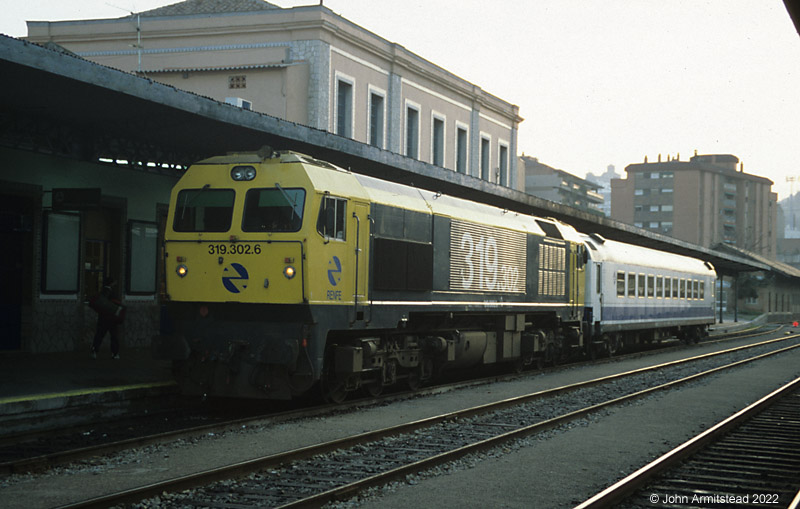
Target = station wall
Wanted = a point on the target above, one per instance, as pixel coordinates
(55, 258)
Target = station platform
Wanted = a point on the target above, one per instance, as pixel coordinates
(71, 386)
(68, 387)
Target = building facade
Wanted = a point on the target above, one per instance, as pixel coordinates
(310, 66)
(559, 186)
(708, 200)
(604, 189)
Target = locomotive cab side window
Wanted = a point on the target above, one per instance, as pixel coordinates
(273, 210)
(204, 210)
(332, 215)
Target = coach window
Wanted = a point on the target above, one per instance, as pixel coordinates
(640, 286)
(651, 286)
(660, 287)
(631, 284)
(702, 290)
(675, 293)
(331, 221)
(682, 285)
(620, 284)
(695, 289)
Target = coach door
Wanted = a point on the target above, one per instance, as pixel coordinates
(361, 227)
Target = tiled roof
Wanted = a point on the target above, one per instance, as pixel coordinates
(189, 7)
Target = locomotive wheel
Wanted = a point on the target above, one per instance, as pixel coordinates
(414, 380)
(333, 388)
(374, 388)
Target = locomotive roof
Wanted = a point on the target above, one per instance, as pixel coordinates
(604, 250)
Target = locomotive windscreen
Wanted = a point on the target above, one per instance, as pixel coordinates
(204, 210)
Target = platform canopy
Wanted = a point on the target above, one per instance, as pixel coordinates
(57, 103)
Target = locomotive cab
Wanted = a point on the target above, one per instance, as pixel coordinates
(237, 246)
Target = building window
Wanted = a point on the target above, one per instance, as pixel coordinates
(486, 144)
(654, 208)
(412, 131)
(666, 208)
(461, 149)
(437, 145)
(503, 165)
(344, 108)
(142, 257)
(666, 190)
(639, 192)
(654, 224)
(237, 81)
(376, 122)
(61, 246)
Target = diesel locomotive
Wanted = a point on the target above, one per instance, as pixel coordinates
(286, 273)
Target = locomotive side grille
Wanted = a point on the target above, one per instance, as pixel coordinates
(552, 270)
(487, 259)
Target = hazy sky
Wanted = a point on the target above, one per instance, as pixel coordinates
(598, 82)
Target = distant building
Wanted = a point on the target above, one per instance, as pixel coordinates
(560, 186)
(604, 181)
(311, 66)
(705, 201)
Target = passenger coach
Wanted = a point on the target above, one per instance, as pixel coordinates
(639, 295)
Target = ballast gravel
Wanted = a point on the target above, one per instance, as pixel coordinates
(555, 469)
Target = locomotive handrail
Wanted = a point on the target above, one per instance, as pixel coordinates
(358, 250)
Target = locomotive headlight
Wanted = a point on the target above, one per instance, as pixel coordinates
(243, 173)
(182, 270)
(288, 272)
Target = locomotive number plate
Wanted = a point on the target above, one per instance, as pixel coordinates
(234, 248)
(486, 259)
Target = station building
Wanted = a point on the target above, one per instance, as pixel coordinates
(310, 66)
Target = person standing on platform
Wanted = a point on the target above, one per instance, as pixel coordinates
(110, 314)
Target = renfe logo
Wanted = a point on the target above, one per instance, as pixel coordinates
(335, 271)
(235, 277)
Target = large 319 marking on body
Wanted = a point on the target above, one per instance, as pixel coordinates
(487, 259)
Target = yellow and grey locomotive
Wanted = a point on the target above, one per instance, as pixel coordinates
(284, 272)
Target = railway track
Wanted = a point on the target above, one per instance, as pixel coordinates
(41, 450)
(317, 474)
(750, 459)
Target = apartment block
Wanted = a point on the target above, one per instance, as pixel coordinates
(707, 200)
